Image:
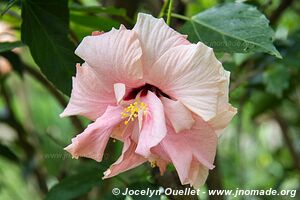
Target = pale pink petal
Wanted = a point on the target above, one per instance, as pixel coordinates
(199, 143)
(89, 97)
(179, 116)
(154, 125)
(192, 75)
(197, 174)
(115, 56)
(156, 37)
(225, 111)
(120, 90)
(128, 160)
(92, 142)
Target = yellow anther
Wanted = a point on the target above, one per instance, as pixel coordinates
(153, 163)
(131, 111)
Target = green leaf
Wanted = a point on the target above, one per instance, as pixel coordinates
(75, 185)
(99, 9)
(8, 154)
(7, 46)
(232, 28)
(96, 22)
(45, 29)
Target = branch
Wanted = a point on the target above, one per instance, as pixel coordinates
(285, 132)
(278, 12)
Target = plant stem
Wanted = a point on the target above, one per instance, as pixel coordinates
(178, 16)
(163, 9)
(170, 12)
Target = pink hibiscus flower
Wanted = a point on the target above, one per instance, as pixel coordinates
(149, 87)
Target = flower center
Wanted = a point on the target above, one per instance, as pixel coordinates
(131, 112)
(143, 91)
(153, 163)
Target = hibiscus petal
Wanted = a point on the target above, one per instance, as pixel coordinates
(225, 111)
(115, 56)
(120, 90)
(179, 116)
(199, 143)
(154, 125)
(156, 37)
(192, 75)
(197, 174)
(92, 142)
(89, 97)
(128, 160)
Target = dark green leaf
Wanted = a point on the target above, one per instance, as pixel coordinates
(98, 9)
(45, 30)
(232, 28)
(8, 154)
(7, 46)
(75, 185)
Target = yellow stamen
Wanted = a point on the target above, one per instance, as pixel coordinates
(153, 163)
(131, 111)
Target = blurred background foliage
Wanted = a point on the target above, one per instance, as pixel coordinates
(259, 150)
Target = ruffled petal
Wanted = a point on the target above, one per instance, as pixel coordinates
(115, 56)
(196, 145)
(153, 126)
(180, 117)
(92, 142)
(192, 75)
(89, 96)
(197, 174)
(128, 160)
(156, 37)
(225, 112)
